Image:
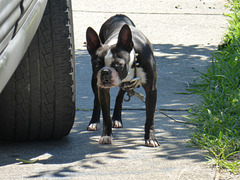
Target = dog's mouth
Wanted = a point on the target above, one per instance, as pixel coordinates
(106, 84)
(108, 78)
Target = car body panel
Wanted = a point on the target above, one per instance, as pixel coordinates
(23, 33)
(7, 7)
(10, 12)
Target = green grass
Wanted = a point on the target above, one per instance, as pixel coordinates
(218, 114)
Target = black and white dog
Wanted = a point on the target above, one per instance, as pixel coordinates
(121, 54)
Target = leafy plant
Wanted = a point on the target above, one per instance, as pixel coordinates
(218, 114)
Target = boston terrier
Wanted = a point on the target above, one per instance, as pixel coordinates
(120, 55)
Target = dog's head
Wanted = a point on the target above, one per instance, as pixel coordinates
(112, 61)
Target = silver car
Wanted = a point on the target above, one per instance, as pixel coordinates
(37, 69)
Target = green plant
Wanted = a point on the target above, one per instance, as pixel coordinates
(218, 115)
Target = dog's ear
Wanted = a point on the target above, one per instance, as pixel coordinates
(93, 40)
(125, 38)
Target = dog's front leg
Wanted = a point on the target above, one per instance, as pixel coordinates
(151, 99)
(117, 114)
(104, 98)
(94, 124)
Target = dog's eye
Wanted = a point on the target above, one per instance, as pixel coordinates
(98, 63)
(119, 63)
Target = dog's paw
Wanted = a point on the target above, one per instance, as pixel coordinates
(117, 124)
(93, 126)
(105, 140)
(152, 143)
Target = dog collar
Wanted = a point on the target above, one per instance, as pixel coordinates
(132, 82)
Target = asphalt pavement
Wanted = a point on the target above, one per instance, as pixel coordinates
(183, 34)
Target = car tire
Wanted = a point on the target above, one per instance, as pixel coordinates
(38, 102)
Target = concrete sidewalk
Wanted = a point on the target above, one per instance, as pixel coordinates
(183, 34)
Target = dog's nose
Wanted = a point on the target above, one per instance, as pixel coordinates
(105, 72)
